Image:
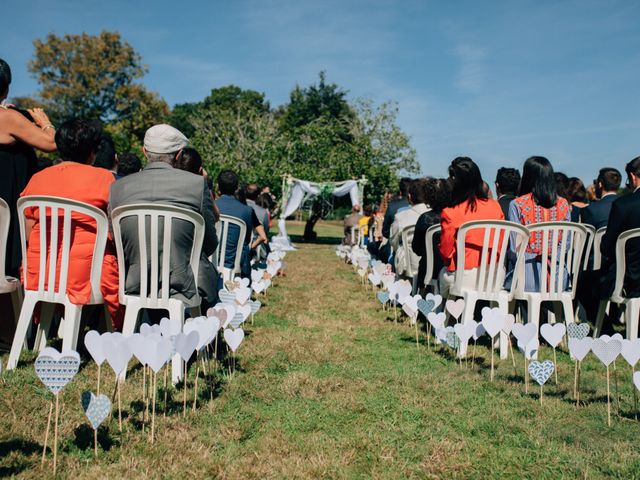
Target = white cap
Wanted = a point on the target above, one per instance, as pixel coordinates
(164, 138)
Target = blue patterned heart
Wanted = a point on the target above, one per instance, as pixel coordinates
(453, 340)
(579, 331)
(56, 369)
(96, 408)
(237, 320)
(541, 372)
(426, 306)
(383, 297)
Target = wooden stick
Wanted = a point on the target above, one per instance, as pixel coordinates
(615, 383)
(395, 311)
(526, 374)
(119, 405)
(144, 384)
(492, 359)
(575, 381)
(635, 394)
(428, 334)
(195, 388)
(153, 410)
(513, 358)
(555, 363)
(46, 435)
(99, 374)
(540, 394)
(578, 392)
(417, 341)
(55, 439)
(473, 353)
(608, 399)
(184, 392)
(95, 441)
(165, 391)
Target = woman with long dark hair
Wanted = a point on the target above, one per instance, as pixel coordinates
(469, 201)
(537, 201)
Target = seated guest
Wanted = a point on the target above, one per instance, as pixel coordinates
(191, 161)
(106, 155)
(161, 183)
(408, 218)
(76, 179)
(507, 181)
(606, 190)
(537, 201)
(252, 192)
(364, 222)
(128, 163)
(350, 222)
(265, 200)
(229, 205)
(394, 205)
(577, 196)
(469, 201)
(438, 197)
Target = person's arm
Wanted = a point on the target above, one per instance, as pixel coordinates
(447, 238)
(39, 134)
(388, 220)
(418, 244)
(210, 242)
(614, 229)
(262, 237)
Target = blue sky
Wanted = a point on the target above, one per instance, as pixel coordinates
(495, 80)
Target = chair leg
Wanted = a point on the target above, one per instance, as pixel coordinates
(633, 309)
(567, 306)
(46, 318)
(108, 324)
(72, 314)
(504, 349)
(26, 312)
(16, 305)
(533, 314)
(602, 307)
(176, 310)
(128, 327)
(467, 316)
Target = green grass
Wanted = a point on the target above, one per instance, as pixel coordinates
(328, 386)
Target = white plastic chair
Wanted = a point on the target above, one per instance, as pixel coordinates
(154, 286)
(589, 243)
(222, 229)
(597, 256)
(60, 211)
(8, 284)
(487, 281)
(429, 281)
(563, 241)
(632, 305)
(356, 235)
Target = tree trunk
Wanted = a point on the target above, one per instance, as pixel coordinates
(309, 234)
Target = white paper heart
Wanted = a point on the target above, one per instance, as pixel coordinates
(137, 345)
(146, 329)
(170, 327)
(93, 344)
(636, 380)
(374, 278)
(631, 351)
(455, 307)
(509, 321)
(436, 319)
(244, 310)
(606, 351)
(242, 295)
(233, 338)
(256, 275)
(159, 353)
(117, 352)
(465, 331)
(580, 347)
(524, 333)
(441, 333)
(493, 321)
(531, 349)
(255, 306)
(410, 305)
(437, 299)
(56, 369)
(553, 333)
(478, 329)
(186, 344)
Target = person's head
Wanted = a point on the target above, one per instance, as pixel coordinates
(163, 143)
(5, 79)
(576, 191)
(405, 182)
(507, 181)
(227, 182)
(417, 191)
(591, 193)
(77, 140)
(562, 184)
(368, 210)
(438, 194)
(355, 209)
(466, 182)
(264, 200)
(633, 173)
(252, 191)
(128, 163)
(539, 180)
(608, 181)
(240, 194)
(106, 154)
(189, 161)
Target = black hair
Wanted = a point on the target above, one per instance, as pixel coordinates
(576, 191)
(367, 210)
(252, 191)
(5, 78)
(417, 190)
(189, 161)
(265, 201)
(128, 163)
(106, 153)
(508, 180)
(539, 180)
(77, 139)
(227, 182)
(610, 178)
(562, 184)
(466, 182)
(438, 194)
(240, 194)
(404, 185)
(633, 167)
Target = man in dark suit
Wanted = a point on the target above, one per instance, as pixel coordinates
(160, 183)
(607, 185)
(399, 203)
(507, 182)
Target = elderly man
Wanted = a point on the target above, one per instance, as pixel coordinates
(350, 222)
(160, 183)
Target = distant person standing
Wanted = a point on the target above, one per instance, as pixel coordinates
(128, 163)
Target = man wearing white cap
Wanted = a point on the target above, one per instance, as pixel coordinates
(160, 183)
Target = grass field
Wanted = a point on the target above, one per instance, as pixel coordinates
(328, 386)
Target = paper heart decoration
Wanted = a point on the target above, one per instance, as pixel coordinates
(436, 319)
(509, 321)
(242, 282)
(383, 297)
(493, 320)
(617, 336)
(531, 349)
(375, 278)
(553, 333)
(362, 272)
(255, 306)
(159, 353)
(410, 305)
(236, 321)
(442, 332)
(425, 306)
(631, 351)
(541, 371)
(256, 275)
(273, 270)
(170, 327)
(606, 351)
(437, 299)
(230, 285)
(137, 345)
(233, 338)
(455, 307)
(524, 333)
(186, 344)
(379, 268)
(577, 330)
(227, 296)
(146, 329)
(580, 347)
(56, 369)
(97, 409)
(242, 295)
(636, 380)
(465, 331)
(452, 339)
(399, 290)
(207, 330)
(258, 287)
(117, 352)
(388, 280)
(93, 344)
(479, 329)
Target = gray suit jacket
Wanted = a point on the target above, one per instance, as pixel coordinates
(163, 184)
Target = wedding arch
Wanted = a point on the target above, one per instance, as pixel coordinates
(296, 191)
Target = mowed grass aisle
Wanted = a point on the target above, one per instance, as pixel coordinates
(329, 387)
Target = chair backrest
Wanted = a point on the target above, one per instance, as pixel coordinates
(621, 261)
(490, 275)
(432, 231)
(597, 240)
(586, 255)
(159, 261)
(5, 221)
(407, 237)
(60, 212)
(356, 233)
(222, 229)
(563, 241)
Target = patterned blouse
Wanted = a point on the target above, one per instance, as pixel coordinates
(531, 213)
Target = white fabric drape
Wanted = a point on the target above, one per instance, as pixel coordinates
(350, 187)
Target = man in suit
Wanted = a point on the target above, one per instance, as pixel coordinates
(398, 204)
(507, 182)
(607, 185)
(160, 183)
